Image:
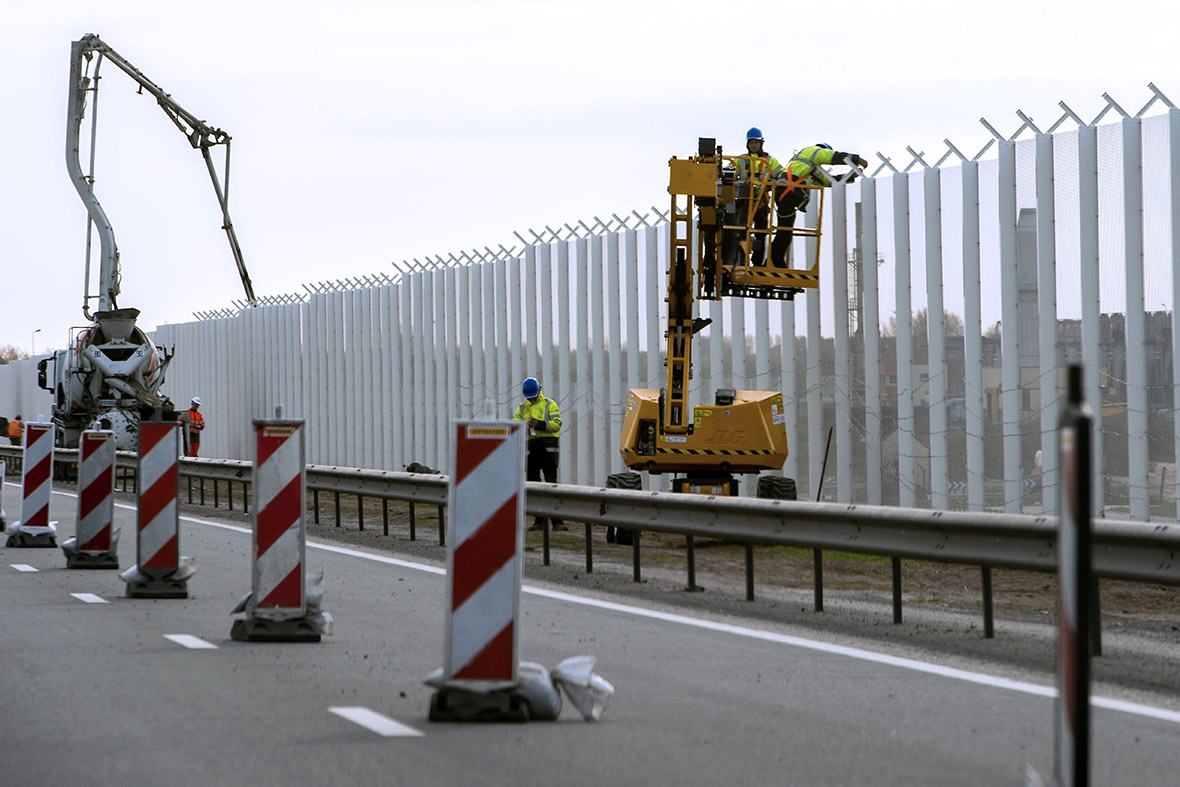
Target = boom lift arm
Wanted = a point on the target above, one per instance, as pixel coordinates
(741, 431)
(200, 135)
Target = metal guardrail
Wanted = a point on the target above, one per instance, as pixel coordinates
(1133, 551)
(1126, 550)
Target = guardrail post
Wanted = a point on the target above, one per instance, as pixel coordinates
(442, 527)
(337, 495)
(989, 623)
(315, 503)
(635, 555)
(589, 550)
(360, 512)
(896, 589)
(385, 515)
(215, 501)
(413, 524)
(749, 571)
(817, 562)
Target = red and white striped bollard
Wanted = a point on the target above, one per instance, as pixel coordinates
(281, 606)
(160, 571)
(96, 542)
(34, 528)
(486, 501)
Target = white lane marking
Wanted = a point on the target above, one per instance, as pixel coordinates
(25, 567)
(89, 598)
(371, 720)
(1133, 708)
(189, 641)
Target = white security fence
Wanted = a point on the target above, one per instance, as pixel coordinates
(1059, 249)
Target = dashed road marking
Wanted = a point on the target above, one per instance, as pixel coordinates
(23, 567)
(89, 598)
(189, 641)
(371, 720)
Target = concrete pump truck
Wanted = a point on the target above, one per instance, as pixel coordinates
(111, 373)
(705, 447)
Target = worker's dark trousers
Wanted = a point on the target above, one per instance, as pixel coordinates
(542, 460)
(786, 206)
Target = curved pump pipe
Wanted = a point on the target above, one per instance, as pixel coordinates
(108, 276)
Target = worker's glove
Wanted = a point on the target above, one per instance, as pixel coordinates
(862, 163)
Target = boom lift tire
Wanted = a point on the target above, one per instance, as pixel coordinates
(618, 535)
(777, 487)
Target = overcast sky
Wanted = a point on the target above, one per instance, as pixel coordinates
(368, 132)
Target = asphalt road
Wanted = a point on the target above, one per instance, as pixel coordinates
(97, 693)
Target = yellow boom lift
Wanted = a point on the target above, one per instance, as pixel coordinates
(741, 431)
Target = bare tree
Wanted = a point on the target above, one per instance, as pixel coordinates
(952, 324)
(11, 353)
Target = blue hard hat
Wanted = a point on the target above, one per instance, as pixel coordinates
(530, 388)
(823, 145)
(754, 133)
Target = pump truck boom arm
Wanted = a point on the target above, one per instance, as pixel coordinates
(200, 135)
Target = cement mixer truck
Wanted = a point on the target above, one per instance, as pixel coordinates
(111, 373)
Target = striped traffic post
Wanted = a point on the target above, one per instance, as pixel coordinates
(486, 499)
(160, 571)
(283, 606)
(34, 528)
(3, 470)
(97, 540)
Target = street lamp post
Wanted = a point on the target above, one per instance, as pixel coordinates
(33, 342)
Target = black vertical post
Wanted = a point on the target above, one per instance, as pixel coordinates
(337, 495)
(817, 555)
(413, 523)
(989, 623)
(635, 556)
(215, 485)
(1074, 636)
(817, 561)
(749, 571)
(360, 512)
(690, 546)
(385, 515)
(442, 526)
(246, 498)
(315, 503)
(589, 550)
(896, 589)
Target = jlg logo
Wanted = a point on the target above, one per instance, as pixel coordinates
(729, 436)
